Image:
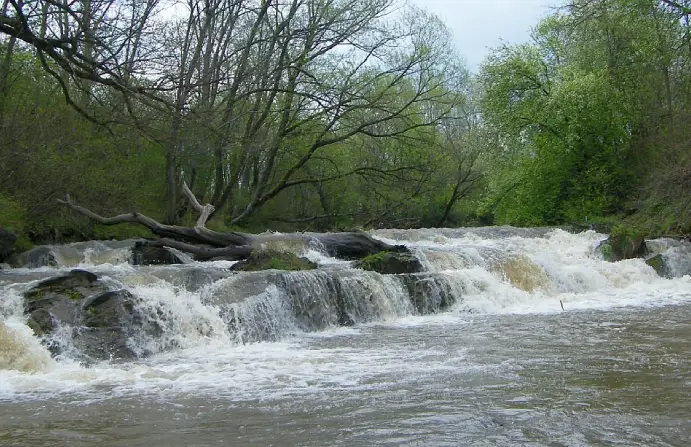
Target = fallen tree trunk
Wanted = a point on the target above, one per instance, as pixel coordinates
(198, 234)
(201, 253)
(204, 244)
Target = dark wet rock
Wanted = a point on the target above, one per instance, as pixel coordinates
(106, 317)
(41, 322)
(659, 264)
(75, 278)
(355, 245)
(7, 241)
(41, 256)
(273, 260)
(430, 293)
(144, 253)
(101, 320)
(60, 295)
(394, 263)
(623, 246)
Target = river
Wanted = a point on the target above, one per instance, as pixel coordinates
(546, 344)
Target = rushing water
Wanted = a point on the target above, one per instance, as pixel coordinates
(263, 359)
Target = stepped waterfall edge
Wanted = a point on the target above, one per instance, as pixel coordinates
(173, 309)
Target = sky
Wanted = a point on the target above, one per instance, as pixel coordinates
(479, 25)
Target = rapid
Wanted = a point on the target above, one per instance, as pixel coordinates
(509, 337)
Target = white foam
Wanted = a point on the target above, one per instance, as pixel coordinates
(256, 371)
(205, 355)
(20, 350)
(179, 318)
(323, 260)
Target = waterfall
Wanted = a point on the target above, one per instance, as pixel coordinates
(486, 270)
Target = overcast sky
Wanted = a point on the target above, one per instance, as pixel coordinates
(479, 25)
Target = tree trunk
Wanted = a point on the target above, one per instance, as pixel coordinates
(207, 244)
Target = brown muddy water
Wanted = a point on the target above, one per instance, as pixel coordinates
(504, 366)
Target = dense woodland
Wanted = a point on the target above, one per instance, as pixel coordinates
(340, 114)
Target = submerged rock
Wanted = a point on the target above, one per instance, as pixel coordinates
(659, 264)
(273, 260)
(41, 322)
(265, 306)
(99, 319)
(522, 273)
(41, 256)
(430, 293)
(144, 253)
(354, 245)
(391, 263)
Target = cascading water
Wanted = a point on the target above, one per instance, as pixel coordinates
(203, 329)
(491, 270)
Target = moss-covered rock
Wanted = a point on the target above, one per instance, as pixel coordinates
(105, 309)
(70, 287)
(273, 260)
(41, 322)
(658, 263)
(100, 319)
(623, 243)
(394, 263)
(354, 245)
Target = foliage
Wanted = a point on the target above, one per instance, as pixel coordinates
(337, 115)
(372, 262)
(580, 114)
(337, 118)
(12, 215)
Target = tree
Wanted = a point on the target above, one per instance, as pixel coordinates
(576, 109)
(306, 76)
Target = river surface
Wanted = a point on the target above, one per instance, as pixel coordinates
(547, 344)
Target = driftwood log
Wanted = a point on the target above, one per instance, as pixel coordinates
(205, 244)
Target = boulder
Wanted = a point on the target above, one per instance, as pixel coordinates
(106, 318)
(7, 241)
(42, 322)
(100, 320)
(623, 246)
(355, 245)
(273, 260)
(144, 253)
(659, 264)
(41, 256)
(391, 263)
(429, 293)
(75, 278)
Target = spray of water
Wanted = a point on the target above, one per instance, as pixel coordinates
(199, 313)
